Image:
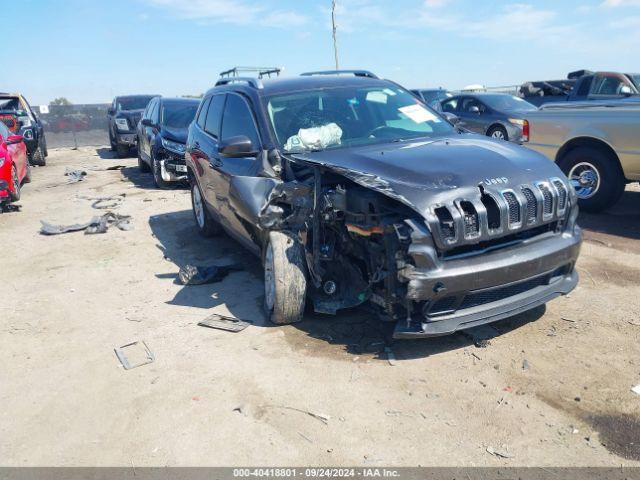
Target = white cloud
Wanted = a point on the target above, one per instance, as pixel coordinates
(621, 3)
(230, 11)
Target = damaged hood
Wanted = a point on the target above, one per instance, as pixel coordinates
(176, 134)
(426, 172)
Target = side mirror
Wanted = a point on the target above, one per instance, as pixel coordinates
(147, 122)
(13, 139)
(238, 147)
(451, 118)
(626, 90)
(475, 110)
(111, 111)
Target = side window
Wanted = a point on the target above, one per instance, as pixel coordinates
(202, 114)
(147, 111)
(585, 86)
(607, 86)
(238, 120)
(469, 103)
(214, 112)
(4, 131)
(450, 106)
(154, 111)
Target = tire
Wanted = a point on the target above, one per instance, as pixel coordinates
(207, 226)
(38, 158)
(285, 280)
(122, 151)
(157, 174)
(27, 176)
(15, 195)
(112, 142)
(596, 175)
(498, 132)
(142, 165)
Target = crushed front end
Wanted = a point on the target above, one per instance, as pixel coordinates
(477, 255)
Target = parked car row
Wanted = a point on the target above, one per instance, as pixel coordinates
(22, 143)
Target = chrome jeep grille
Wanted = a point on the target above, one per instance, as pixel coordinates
(492, 215)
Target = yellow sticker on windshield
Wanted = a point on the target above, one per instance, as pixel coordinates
(418, 114)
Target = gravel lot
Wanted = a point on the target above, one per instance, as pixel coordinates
(552, 388)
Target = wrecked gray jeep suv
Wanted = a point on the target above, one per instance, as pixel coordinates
(353, 192)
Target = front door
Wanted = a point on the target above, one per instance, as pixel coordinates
(237, 120)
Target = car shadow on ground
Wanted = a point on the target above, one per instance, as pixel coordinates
(105, 153)
(622, 220)
(144, 180)
(357, 331)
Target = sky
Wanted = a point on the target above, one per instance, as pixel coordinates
(91, 50)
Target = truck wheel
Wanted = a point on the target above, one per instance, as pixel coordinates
(15, 195)
(596, 177)
(122, 151)
(499, 133)
(207, 226)
(112, 142)
(38, 158)
(285, 282)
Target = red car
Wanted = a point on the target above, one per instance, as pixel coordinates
(14, 165)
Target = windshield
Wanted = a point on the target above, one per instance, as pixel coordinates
(507, 102)
(133, 103)
(178, 115)
(9, 103)
(348, 116)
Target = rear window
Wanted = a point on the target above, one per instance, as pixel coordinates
(133, 103)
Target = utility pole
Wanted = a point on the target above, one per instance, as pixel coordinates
(335, 41)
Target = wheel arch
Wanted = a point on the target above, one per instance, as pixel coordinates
(588, 142)
(495, 125)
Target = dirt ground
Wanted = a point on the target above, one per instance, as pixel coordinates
(552, 387)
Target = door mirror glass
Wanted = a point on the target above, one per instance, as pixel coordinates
(111, 111)
(238, 146)
(147, 122)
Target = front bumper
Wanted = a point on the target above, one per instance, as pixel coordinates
(472, 291)
(173, 167)
(128, 139)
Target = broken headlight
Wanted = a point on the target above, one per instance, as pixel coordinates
(175, 147)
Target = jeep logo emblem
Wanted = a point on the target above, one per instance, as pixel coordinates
(496, 181)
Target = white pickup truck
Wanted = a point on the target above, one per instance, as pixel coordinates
(596, 144)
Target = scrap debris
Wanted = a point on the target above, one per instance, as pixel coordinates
(98, 224)
(74, 175)
(503, 453)
(197, 275)
(229, 324)
(636, 389)
(138, 349)
(318, 416)
(104, 203)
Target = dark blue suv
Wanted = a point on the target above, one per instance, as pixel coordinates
(352, 191)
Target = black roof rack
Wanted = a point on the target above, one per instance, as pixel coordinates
(356, 73)
(261, 71)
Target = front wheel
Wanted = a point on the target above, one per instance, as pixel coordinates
(596, 176)
(156, 168)
(207, 226)
(285, 281)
